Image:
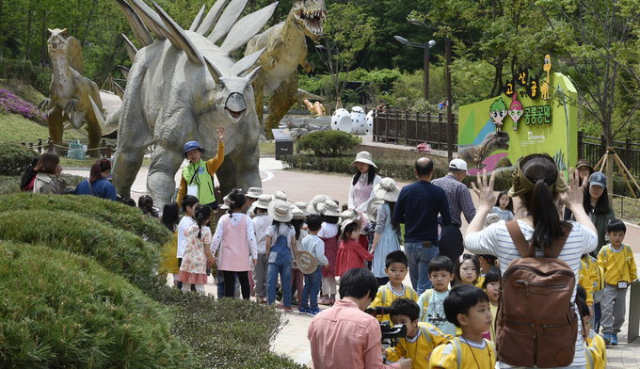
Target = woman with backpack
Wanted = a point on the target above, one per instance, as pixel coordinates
(97, 184)
(539, 184)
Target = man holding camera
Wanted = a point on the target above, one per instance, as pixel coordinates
(344, 336)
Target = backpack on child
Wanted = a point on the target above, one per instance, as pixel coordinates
(536, 324)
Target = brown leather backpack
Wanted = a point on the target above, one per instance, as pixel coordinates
(536, 325)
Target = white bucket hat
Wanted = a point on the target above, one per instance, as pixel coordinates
(280, 210)
(263, 202)
(254, 192)
(349, 216)
(312, 208)
(225, 203)
(306, 262)
(302, 206)
(297, 212)
(372, 209)
(280, 195)
(387, 190)
(329, 208)
(364, 157)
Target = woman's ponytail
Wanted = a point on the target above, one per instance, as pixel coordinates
(546, 218)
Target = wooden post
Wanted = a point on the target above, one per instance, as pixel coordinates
(39, 145)
(108, 151)
(610, 163)
(627, 151)
(439, 133)
(103, 148)
(23, 143)
(580, 143)
(417, 141)
(50, 144)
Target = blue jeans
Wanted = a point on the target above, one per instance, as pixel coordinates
(419, 258)
(311, 289)
(284, 269)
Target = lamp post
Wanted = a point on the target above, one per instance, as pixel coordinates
(426, 48)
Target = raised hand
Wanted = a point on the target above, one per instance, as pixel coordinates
(575, 193)
(221, 132)
(484, 189)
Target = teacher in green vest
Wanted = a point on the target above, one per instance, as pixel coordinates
(197, 176)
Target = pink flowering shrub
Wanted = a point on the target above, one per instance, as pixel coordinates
(11, 103)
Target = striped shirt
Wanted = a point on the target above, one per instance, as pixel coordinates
(459, 198)
(495, 240)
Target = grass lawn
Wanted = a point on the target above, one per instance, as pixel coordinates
(267, 148)
(18, 129)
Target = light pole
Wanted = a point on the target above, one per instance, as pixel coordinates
(426, 48)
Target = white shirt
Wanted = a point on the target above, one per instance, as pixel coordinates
(184, 225)
(328, 230)
(261, 224)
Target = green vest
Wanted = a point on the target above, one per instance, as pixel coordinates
(197, 174)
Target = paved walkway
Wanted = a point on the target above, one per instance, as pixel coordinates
(302, 186)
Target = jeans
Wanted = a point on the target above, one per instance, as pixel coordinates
(311, 289)
(419, 258)
(284, 270)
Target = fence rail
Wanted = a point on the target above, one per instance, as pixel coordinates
(106, 150)
(593, 148)
(406, 128)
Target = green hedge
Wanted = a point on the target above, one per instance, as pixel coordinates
(60, 310)
(393, 169)
(328, 143)
(24, 71)
(118, 251)
(226, 333)
(14, 158)
(109, 213)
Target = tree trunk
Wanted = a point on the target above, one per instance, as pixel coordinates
(447, 71)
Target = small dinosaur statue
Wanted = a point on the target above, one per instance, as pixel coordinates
(70, 91)
(286, 48)
(475, 154)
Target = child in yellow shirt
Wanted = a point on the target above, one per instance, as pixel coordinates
(396, 268)
(594, 346)
(467, 307)
(421, 337)
(619, 268)
(492, 286)
(431, 302)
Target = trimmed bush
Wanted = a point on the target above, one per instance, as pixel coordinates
(118, 251)
(227, 333)
(113, 213)
(61, 310)
(9, 184)
(328, 143)
(14, 159)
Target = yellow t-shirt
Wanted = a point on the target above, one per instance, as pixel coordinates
(586, 281)
(462, 354)
(420, 347)
(618, 265)
(479, 282)
(386, 296)
(596, 352)
(169, 261)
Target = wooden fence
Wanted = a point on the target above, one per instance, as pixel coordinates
(411, 129)
(593, 148)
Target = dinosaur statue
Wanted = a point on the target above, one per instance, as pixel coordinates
(286, 48)
(475, 154)
(182, 87)
(70, 91)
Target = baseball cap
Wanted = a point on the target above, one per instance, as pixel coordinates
(458, 164)
(598, 179)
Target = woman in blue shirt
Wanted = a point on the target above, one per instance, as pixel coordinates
(98, 185)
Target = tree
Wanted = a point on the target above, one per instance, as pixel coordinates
(348, 33)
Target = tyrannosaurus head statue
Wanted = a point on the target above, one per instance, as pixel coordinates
(309, 15)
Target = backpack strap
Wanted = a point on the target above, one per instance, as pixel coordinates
(527, 249)
(456, 345)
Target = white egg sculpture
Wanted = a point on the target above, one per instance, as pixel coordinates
(341, 121)
(358, 121)
(369, 129)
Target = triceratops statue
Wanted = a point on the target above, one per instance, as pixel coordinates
(182, 87)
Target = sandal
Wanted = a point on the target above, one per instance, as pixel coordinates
(324, 301)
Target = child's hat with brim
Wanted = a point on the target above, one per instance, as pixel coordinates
(280, 211)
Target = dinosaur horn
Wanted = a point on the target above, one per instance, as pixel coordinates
(124, 70)
(227, 19)
(246, 63)
(246, 28)
(253, 74)
(139, 29)
(215, 72)
(178, 38)
(97, 112)
(211, 18)
(131, 49)
(197, 20)
(150, 18)
(118, 90)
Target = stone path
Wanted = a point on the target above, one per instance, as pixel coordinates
(302, 186)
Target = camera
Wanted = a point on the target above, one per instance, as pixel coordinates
(390, 333)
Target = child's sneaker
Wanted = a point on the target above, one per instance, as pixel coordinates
(303, 310)
(607, 338)
(313, 312)
(614, 339)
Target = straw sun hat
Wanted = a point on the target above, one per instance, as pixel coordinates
(387, 190)
(364, 157)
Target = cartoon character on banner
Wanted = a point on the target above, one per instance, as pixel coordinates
(515, 110)
(497, 112)
(545, 87)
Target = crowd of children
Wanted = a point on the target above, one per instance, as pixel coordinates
(451, 325)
